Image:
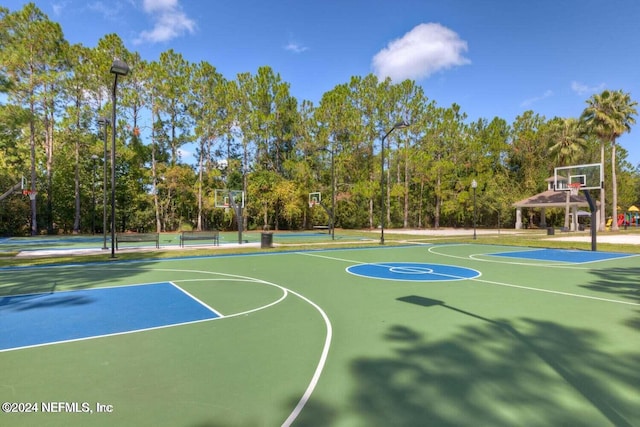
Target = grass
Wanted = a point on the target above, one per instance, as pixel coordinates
(344, 239)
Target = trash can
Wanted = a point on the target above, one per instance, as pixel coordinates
(550, 231)
(266, 240)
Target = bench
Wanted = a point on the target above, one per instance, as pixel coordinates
(137, 238)
(321, 227)
(213, 235)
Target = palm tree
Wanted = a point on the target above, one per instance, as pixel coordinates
(608, 116)
(567, 146)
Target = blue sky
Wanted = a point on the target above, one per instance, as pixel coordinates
(492, 57)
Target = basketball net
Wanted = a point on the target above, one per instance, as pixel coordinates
(32, 194)
(574, 188)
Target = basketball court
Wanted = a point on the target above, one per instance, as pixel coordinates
(422, 334)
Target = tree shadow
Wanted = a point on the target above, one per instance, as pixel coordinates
(32, 302)
(494, 374)
(315, 413)
(621, 282)
(37, 280)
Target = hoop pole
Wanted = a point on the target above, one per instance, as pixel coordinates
(594, 216)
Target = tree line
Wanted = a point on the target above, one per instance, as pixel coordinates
(249, 133)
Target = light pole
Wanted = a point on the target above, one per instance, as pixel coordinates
(398, 125)
(104, 121)
(118, 68)
(333, 190)
(333, 195)
(94, 160)
(474, 185)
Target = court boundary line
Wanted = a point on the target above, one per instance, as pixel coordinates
(220, 317)
(325, 348)
(198, 300)
(306, 396)
(285, 292)
(528, 288)
(550, 263)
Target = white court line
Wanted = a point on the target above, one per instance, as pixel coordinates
(323, 359)
(550, 263)
(333, 258)
(134, 331)
(253, 310)
(528, 288)
(198, 300)
(569, 294)
(325, 349)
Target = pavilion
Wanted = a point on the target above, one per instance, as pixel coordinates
(552, 199)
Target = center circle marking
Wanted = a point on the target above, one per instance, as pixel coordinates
(413, 272)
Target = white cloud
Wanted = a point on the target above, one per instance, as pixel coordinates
(59, 7)
(169, 21)
(423, 51)
(545, 95)
(295, 47)
(110, 11)
(187, 156)
(582, 89)
(151, 6)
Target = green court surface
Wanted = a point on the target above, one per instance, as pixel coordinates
(416, 335)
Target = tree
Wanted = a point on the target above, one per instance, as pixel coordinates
(208, 109)
(175, 75)
(609, 115)
(32, 53)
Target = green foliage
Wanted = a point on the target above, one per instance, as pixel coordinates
(251, 134)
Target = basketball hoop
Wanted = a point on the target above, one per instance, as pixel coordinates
(574, 188)
(32, 194)
(314, 199)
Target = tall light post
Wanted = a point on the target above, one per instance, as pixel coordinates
(333, 190)
(94, 161)
(104, 121)
(118, 68)
(474, 185)
(333, 194)
(398, 125)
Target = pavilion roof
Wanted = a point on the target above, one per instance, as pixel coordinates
(551, 199)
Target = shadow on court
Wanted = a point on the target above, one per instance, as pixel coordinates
(45, 280)
(33, 302)
(492, 374)
(621, 282)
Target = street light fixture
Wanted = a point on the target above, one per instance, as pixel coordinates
(118, 68)
(474, 185)
(104, 121)
(399, 125)
(94, 161)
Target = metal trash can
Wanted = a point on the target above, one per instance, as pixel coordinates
(550, 231)
(266, 240)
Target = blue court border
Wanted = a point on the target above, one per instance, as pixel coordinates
(40, 319)
(413, 272)
(562, 255)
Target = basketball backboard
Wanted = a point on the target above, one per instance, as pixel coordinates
(315, 198)
(228, 198)
(590, 177)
